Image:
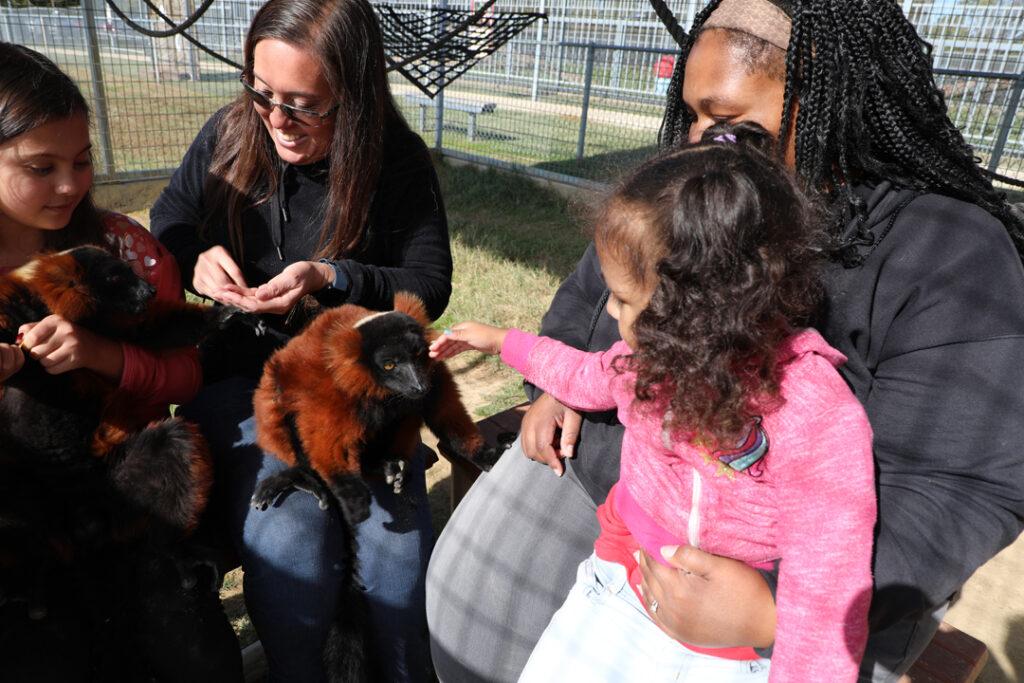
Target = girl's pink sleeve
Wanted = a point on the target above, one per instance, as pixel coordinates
(827, 517)
(580, 380)
(155, 379)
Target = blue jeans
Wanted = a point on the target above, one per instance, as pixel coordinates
(292, 553)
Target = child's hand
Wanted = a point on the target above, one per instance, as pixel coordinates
(468, 336)
(11, 360)
(61, 346)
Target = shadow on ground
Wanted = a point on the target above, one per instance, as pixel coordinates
(513, 218)
(601, 167)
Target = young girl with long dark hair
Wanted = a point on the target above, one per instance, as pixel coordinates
(46, 204)
(108, 612)
(740, 436)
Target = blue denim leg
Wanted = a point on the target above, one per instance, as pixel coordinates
(292, 553)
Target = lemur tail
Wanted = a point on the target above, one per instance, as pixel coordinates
(346, 652)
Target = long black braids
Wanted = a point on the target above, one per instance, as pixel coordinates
(869, 110)
(675, 126)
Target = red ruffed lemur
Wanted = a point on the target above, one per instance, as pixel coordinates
(71, 432)
(349, 396)
(346, 399)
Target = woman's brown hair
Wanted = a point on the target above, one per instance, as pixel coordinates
(344, 37)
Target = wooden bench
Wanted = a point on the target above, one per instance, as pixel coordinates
(951, 657)
(471, 108)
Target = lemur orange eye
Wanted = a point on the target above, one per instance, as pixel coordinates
(389, 365)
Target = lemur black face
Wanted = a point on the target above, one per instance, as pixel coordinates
(396, 351)
(113, 282)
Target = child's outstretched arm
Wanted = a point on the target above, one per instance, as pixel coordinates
(577, 378)
(468, 336)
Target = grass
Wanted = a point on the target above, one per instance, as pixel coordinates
(512, 244)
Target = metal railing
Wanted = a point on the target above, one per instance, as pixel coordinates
(576, 98)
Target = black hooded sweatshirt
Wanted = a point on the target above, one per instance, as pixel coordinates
(932, 323)
(405, 245)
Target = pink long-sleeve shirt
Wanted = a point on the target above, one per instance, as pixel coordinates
(809, 501)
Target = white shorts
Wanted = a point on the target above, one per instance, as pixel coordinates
(602, 633)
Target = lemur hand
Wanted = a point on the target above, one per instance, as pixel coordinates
(468, 336)
(11, 360)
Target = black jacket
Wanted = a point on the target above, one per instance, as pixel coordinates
(405, 246)
(932, 323)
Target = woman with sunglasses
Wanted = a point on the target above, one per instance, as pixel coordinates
(311, 184)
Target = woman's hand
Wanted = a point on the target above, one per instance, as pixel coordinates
(282, 292)
(468, 336)
(708, 601)
(11, 360)
(60, 346)
(544, 421)
(215, 269)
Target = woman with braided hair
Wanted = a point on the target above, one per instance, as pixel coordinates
(924, 295)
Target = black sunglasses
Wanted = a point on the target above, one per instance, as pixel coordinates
(265, 105)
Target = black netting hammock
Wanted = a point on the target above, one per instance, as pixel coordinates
(433, 47)
(430, 47)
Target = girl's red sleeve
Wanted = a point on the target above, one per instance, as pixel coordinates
(153, 379)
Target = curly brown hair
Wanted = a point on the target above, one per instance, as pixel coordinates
(732, 247)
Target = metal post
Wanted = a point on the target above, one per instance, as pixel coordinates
(193, 58)
(587, 77)
(5, 30)
(153, 57)
(99, 93)
(439, 112)
(536, 55)
(561, 52)
(1004, 126)
(617, 58)
(42, 31)
(108, 26)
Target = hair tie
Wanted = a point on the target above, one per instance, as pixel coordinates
(725, 137)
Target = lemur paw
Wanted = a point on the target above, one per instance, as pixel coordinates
(354, 496)
(228, 316)
(487, 457)
(269, 490)
(394, 474)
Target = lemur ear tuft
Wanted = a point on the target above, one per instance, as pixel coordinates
(411, 305)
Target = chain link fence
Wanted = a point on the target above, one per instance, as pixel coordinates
(574, 98)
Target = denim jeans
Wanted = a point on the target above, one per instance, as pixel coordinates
(291, 553)
(602, 633)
